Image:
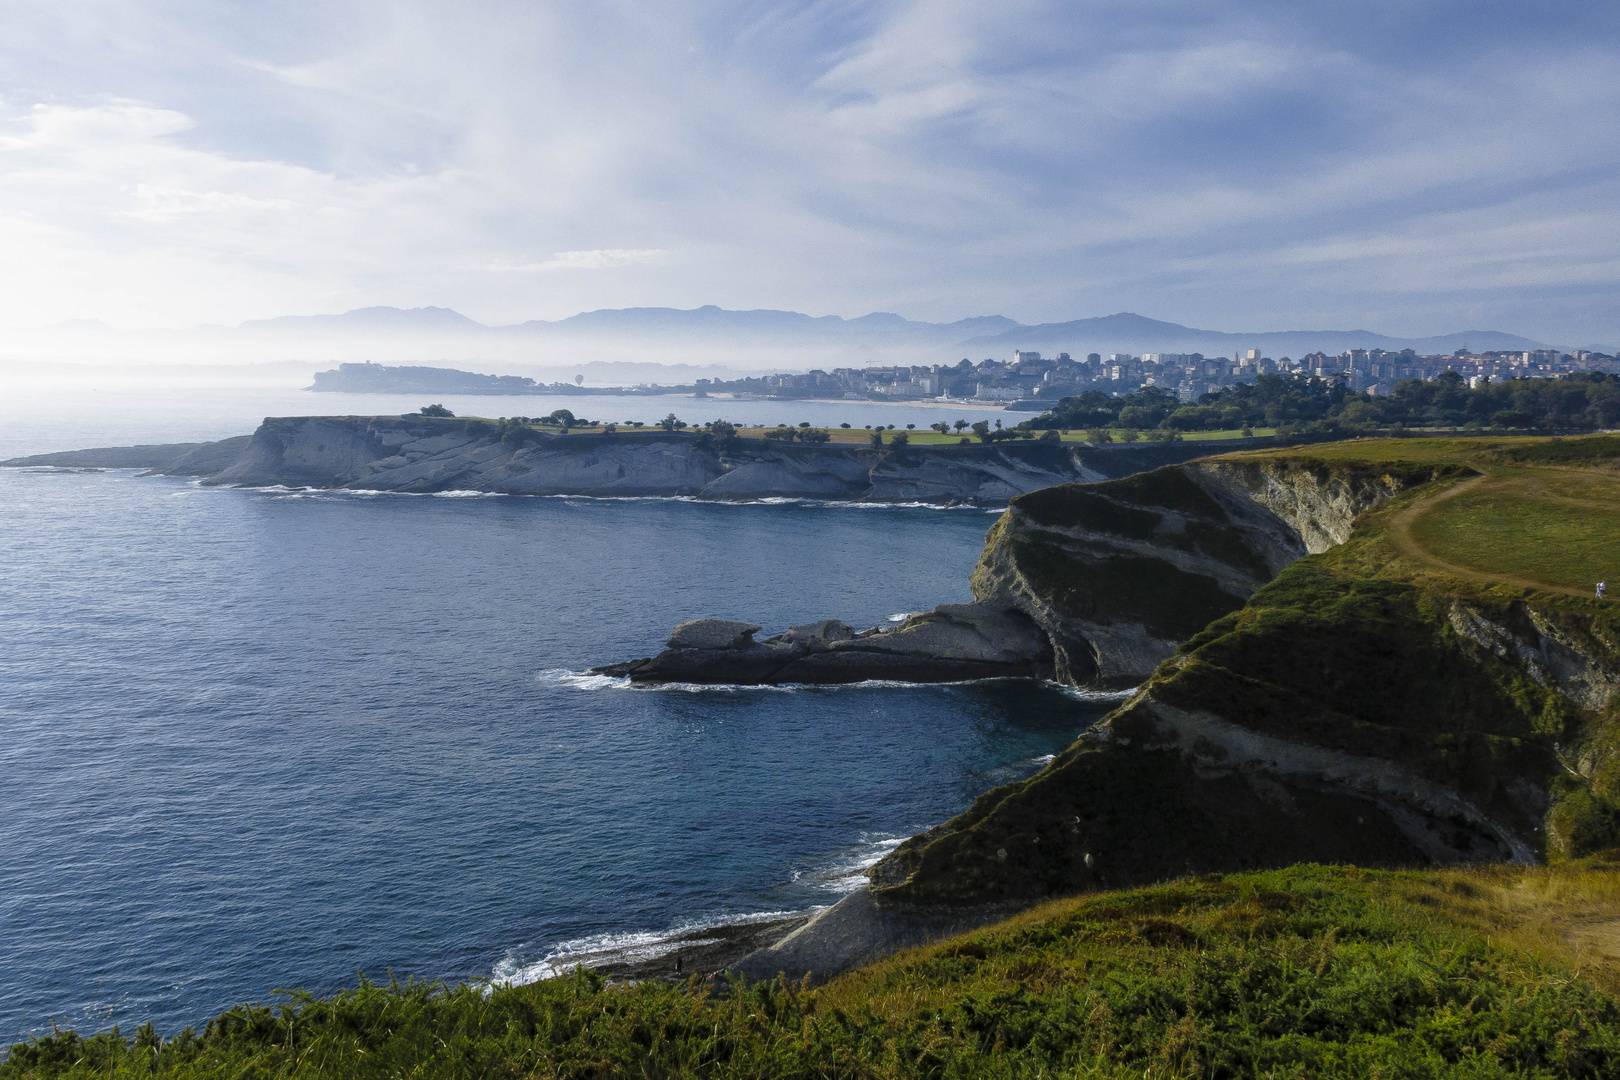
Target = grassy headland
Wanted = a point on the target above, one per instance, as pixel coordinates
(1306, 972)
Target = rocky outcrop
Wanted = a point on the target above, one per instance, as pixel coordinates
(425, 454)
(184, 459)
(1119, 573)
(1335, 718)
(948, 644)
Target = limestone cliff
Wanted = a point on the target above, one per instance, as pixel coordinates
(1119, 573)
(1362, 707)
(427, 454)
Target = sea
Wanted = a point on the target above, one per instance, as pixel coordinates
(255, 741)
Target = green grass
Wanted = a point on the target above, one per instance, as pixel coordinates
(1556, 530)
(1308, 972)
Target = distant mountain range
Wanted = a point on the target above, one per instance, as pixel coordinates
(1123, 332)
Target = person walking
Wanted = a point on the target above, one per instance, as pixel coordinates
(1601, 586)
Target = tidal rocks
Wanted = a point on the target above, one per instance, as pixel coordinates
(948, 644)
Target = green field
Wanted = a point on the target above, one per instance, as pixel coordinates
(1307, 972)
(1541, 512)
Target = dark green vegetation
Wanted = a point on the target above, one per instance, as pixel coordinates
(1308, 972)
(1404, 661)
(1295, 403)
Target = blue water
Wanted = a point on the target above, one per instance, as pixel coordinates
(256, 740)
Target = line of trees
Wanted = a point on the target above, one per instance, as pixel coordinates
(1303, 403)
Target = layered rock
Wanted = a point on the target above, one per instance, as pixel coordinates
(425, 454)
(950, 643)
(1119, 573)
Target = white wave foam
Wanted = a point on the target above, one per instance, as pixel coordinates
(581, 680)
(1080, 693)
(623, 947)
(900, 616)
(848, 872)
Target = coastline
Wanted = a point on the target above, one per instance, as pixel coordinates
(672, 957)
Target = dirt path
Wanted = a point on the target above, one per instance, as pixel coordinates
(1400, 528)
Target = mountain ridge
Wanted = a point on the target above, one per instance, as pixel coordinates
(1123, 331)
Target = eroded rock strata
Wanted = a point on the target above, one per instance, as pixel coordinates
(1360, 708)
(426, 454)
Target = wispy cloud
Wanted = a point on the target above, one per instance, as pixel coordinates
(602, 259)
(1259, 164)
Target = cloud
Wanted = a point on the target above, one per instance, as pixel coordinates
(1258, 165)
(604, 259)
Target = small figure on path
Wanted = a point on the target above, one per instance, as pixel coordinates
(1601, 586)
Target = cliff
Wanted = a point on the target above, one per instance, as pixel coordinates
(1379, 702)
(1118, 574)
(427, 454)
(1370, 705)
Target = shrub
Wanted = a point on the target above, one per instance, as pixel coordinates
(436, 410)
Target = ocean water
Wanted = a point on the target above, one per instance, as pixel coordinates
(270, 739)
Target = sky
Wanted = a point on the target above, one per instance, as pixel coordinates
(1407, 167)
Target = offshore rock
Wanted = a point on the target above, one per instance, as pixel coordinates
(948, 644)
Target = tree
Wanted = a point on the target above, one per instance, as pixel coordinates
(562, 418)
(780, 434)
(1099, 436)
(960, 424)
(1130, 435)
(877, 436)
(436, 410)
(982, 430)
(813, 436)
(899, 438)
(1051, 435)
(671, 423)
(943, 427)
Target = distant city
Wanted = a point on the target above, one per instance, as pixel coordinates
(1024, 381)
(1031, 380)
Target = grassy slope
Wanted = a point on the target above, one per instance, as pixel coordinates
(1354, 650)
(1312, 971)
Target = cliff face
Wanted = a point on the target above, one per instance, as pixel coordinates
(1118, 574)
(424, 454)
(1359, 708)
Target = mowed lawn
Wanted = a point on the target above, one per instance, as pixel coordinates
(1555, 527)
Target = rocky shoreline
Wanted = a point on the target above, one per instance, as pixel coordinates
(423, 455)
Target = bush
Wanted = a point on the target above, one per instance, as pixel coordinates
(436, 410)
(982, 430)
(1051, 435)
(1099, 436)
(813, 436)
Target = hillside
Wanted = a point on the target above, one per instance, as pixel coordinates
(1315, 971)
(1439, 687)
